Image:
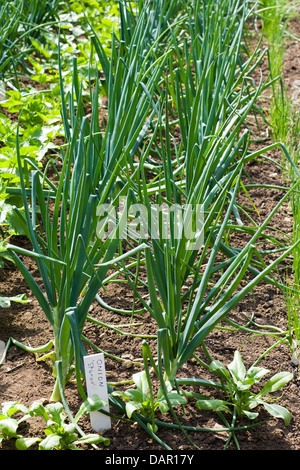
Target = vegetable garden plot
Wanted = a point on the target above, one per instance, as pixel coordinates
(200, 82)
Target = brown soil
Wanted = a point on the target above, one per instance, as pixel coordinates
(24, 379)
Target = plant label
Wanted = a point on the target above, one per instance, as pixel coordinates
(96, 385)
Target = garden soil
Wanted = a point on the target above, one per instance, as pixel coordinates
(24, 379)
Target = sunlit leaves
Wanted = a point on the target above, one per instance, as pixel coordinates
(237, 384)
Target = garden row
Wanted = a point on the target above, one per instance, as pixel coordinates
(181, 104)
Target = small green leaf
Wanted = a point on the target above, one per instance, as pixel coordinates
(131, 407)
(89, 405)
(135, 395)
(218, 368)
(153, 427)
(11, 407)
(8, 427)
(250, 414)
(175, 399)
(276, 382)
(256, 373)
(212, 405)
(38, 409)
(163, 406)
(237, 367)
(56, 410)
(93, 439)
(69, 429)
(278, 412)
(140, 380)
(50, 442)
(24, 443)
(245, 384)
(40, 48)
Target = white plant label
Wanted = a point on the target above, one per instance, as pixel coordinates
(96, 385)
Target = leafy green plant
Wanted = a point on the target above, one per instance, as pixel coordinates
(102, 16)
(35, 140)
(237, 384)
(39, 108)
(141, 400)
(60, 433)
(8, 423)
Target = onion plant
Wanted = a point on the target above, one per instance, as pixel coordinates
(61, 216)
(284, 119)
(131, 77)
(20, 20)
(292, 296)
(192, 291)
(66, 250)
(10, 23)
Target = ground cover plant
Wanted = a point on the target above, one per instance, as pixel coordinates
(149, 118)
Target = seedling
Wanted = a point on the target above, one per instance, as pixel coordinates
(141, 399)
(8, 423)
(240, 399)
(60, 434)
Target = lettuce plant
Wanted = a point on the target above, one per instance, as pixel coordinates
(8, 423)
(61, 434)
(140, 399)
(237, 384)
